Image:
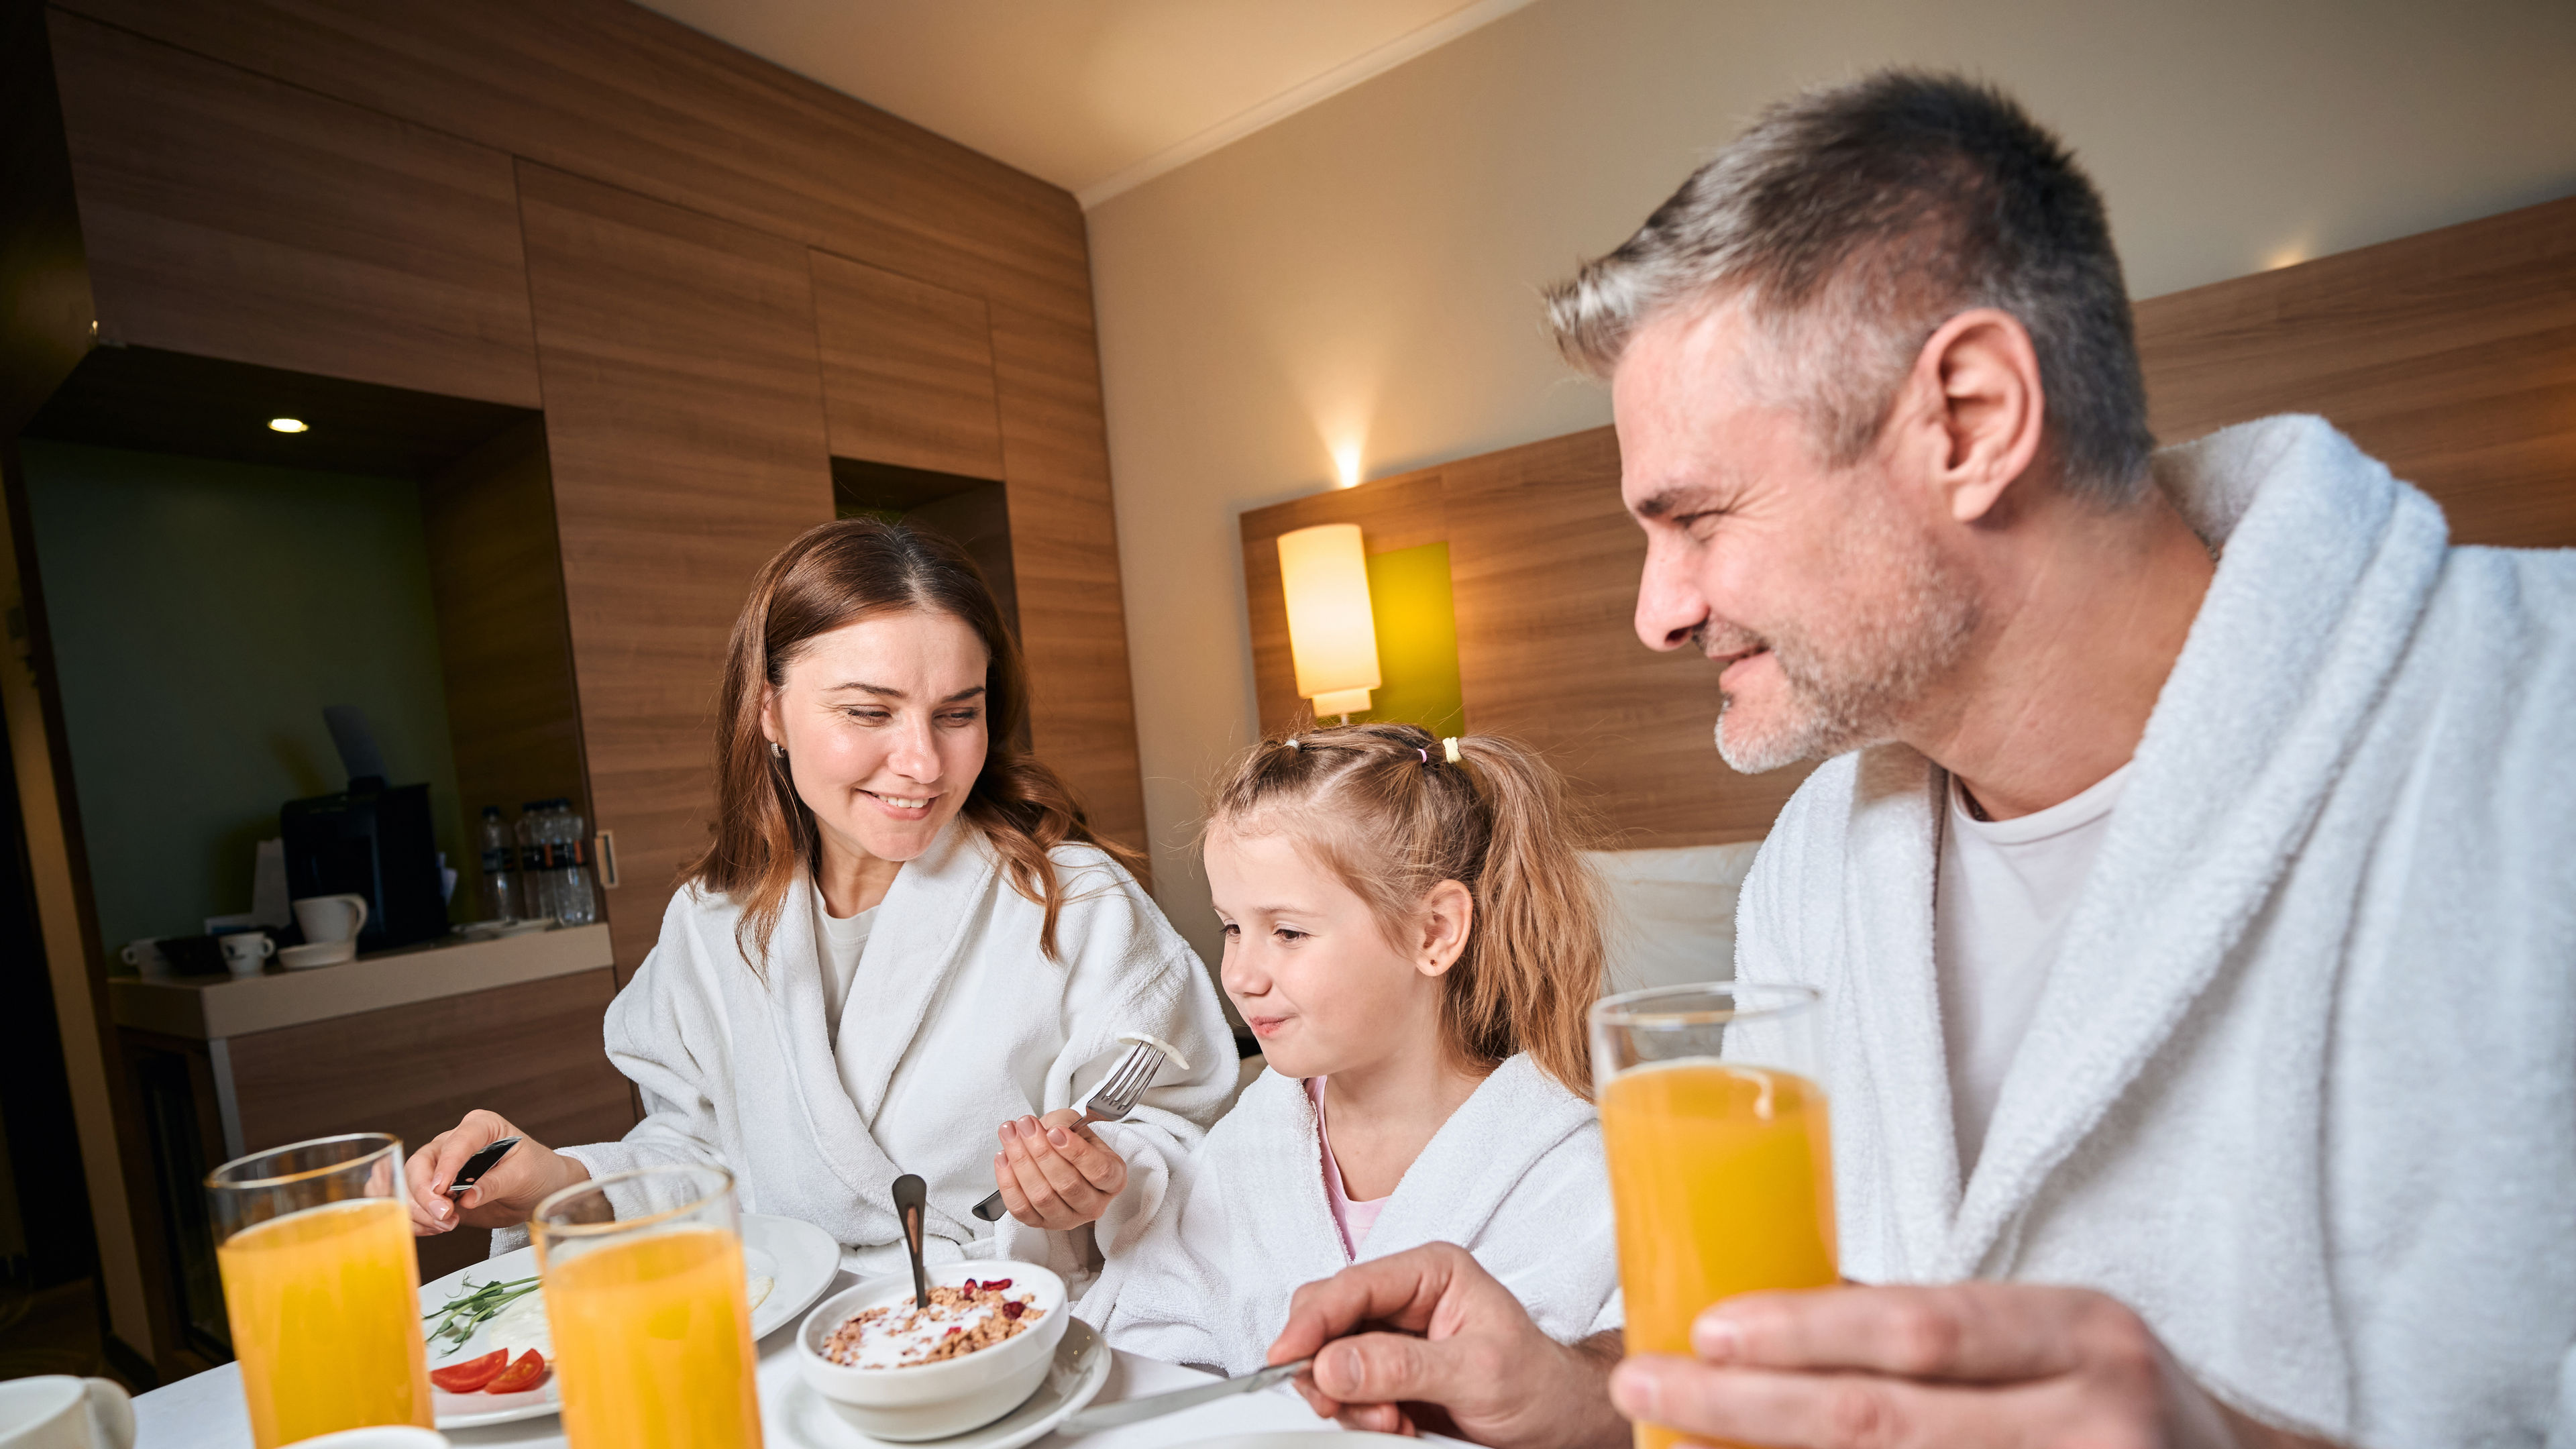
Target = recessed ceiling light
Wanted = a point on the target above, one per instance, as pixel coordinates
(286, 425)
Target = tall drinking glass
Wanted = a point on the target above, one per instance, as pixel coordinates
(321, 1287)
(1721, 1164)
(651, 1323)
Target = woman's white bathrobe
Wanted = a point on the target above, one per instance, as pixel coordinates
(2301, 1087)
(961, 1023)
(1514, 1176)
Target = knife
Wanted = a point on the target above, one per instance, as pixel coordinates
(479, 1164)
(1154, 1406)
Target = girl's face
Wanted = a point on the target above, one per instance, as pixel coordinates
(883, 721)
(1307, 964)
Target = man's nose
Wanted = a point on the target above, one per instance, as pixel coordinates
(1669, 603)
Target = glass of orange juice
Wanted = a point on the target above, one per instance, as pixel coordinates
(1721, 1162)
(650, 1319)
(321, 1287)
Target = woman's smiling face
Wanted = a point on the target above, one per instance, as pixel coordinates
(884, 725)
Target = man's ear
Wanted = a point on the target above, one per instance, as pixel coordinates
(1448, 913)
(1980, 375)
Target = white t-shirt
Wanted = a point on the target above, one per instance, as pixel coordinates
(1998, 915)
(842, 941)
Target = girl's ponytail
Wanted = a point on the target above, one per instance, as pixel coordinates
(1539, 956)
(1392, 811)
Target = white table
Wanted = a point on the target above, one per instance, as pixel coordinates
(206, 1412)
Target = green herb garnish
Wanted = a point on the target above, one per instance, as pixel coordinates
(471, 1306)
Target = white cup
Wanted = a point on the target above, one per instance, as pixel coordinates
(331, 918)
(57, 1411)
(245, 950)
(145, 956)
(380, 1436)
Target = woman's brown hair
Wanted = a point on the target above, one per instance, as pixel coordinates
(1384, 809)
(836, 574)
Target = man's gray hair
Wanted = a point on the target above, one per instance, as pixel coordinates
(1851, 223)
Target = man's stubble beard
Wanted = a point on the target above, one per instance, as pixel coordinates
(1850, 692)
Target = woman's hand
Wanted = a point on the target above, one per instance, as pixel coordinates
(1054, 1172)
(503, 1197)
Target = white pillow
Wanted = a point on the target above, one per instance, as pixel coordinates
(1671, 912)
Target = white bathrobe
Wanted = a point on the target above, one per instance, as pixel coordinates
(1514, 1176)
(961, 1023)
(2301, 1088)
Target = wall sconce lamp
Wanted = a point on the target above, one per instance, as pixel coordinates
(1332, 635)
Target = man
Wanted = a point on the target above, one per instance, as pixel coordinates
(2192, 884)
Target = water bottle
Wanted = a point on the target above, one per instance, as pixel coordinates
(536, 881)
(580, 907)
(500, 895)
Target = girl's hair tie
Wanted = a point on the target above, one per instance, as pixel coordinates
(1448, 747)
(1425, 754)
(1292, 742)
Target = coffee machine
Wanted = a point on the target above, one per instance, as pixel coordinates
(372, 839)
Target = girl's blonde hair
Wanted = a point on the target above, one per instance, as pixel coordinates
(1391, 815)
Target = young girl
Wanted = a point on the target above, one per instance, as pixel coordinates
(1410, 934)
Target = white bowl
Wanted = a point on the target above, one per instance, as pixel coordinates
(934, 1400)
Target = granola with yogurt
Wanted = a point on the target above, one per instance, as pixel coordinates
(959, 1320)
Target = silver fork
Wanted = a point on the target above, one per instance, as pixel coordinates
(1114, 1098)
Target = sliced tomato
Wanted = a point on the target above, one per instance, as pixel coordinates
(474, 1373)
(523, 1374)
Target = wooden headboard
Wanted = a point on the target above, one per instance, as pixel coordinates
(2451, 356)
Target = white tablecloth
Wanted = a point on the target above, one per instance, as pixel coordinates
(205, 1412)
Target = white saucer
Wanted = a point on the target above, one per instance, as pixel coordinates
(798, 1258)
(316, 953)
(1081, 1366)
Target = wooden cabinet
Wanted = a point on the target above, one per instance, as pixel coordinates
(907, 371)
(227, 215)
(684, 421)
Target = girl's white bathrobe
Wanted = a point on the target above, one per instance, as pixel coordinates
(2301, 1087)
(956, 1022)
(1514, 1176)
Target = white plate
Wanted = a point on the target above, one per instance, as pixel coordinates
(799, 1258)
(1300, 1439)
(1081, 1366)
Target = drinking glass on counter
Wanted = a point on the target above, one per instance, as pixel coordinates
(1721, 1163)
(651, 1323)
(321, 1287)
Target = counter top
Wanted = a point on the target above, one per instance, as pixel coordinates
(208, 1008)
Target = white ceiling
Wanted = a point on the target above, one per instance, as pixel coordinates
(1094, 95)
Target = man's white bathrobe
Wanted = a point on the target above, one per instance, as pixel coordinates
(1514, 1176)
(958, 1022)
(2301, 1088)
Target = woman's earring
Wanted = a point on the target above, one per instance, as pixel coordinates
(777, 751)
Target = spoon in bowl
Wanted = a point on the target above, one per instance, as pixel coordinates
(911, 1196)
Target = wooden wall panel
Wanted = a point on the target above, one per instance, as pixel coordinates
(1544, 564)
(532, 1053)
(2450, 356)
(684, 422)
(496, 579)
(1064, 555)
(907, 371)
(227, 215)
(1405, 511)
(615, 92)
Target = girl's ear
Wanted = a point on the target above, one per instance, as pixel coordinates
(1448, 913)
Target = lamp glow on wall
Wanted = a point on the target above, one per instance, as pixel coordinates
(1332, 636)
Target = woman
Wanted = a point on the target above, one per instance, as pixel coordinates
(902, 934)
